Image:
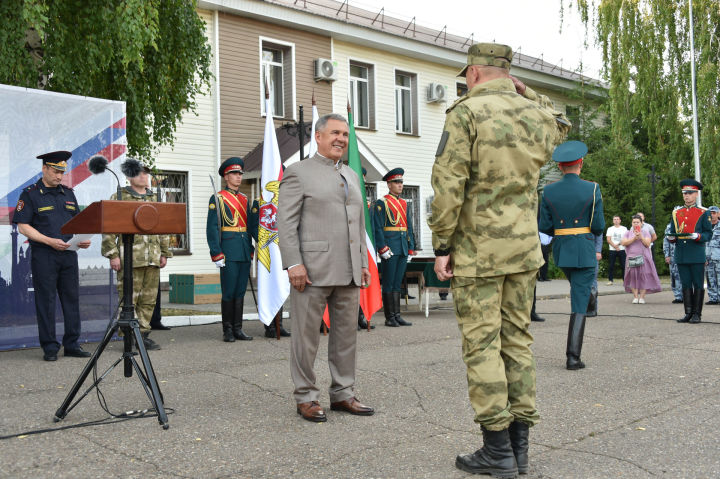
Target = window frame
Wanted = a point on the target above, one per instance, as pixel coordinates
(163, 174)
(414, 205)
(288, 76)
(371, 91)
(413, 100)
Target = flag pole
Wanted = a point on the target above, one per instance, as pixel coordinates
(696, 147)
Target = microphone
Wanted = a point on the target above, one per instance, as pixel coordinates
(98, 164)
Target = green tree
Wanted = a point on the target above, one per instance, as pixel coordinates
(646, 59)
(152, 54)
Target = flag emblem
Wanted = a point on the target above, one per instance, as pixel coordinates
(267, 233)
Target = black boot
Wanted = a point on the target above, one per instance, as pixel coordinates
(238, 320)
(533, 314)
(388, 310)
(362, 323)
(697, 302)
(576, 330)
(396, 310)
(519, 438)
(495, 458)
(687, 304)
(284, 333)
(270, 330)
(227, 309)
(149, 344)
(593, 303)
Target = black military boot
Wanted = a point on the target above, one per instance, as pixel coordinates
(388, 310)
(149, 344)
(362, 323)
(519, 439)
(396, 310)
(576, 330)
(495, 458)
(227, 309)
(284, 333)
(697, 300)
(593, 303)
(687, 304)
(238, 320)
(533, 314)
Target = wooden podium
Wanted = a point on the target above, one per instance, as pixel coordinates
(127, 218)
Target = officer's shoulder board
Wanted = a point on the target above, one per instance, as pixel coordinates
(31, 187)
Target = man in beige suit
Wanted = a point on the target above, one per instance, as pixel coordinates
(322, 241)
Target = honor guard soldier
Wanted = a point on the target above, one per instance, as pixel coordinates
(229, 233)
(690, 229)
(150, 252)
(572, 212)
(41, 211)
(394, 241)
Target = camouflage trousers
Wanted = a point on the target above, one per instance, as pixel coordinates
(145, 288)
(675, 281)
(493, 315)
(713, 280)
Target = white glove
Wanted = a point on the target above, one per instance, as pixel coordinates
(694, 236)
(220, 263)
(386, 255)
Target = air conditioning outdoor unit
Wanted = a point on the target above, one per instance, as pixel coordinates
(436, 92)
(325, 70)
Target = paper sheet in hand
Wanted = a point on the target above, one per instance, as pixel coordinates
(78, 239)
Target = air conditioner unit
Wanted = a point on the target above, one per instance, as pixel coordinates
(325, 70)
(436, 92)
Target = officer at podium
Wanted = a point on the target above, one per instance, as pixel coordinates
(150, 252)
(41, 211)
(394, 241)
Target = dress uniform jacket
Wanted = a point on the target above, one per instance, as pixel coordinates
(685, 221)
(234, 241)
(392, 226)
(572, 212)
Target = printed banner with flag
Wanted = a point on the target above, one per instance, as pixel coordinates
(273, 282)
(370, 297)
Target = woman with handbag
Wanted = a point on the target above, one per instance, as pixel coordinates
(640, 274)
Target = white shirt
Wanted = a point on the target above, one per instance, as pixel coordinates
(615, 233)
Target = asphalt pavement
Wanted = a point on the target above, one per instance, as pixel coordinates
(645, 406)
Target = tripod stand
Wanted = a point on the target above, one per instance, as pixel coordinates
(126, 218)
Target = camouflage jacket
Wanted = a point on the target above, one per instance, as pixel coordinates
(485, 178)
(147, 249)
(712, 249)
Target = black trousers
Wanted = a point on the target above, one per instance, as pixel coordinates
(611, 262)
(543, 272)
(55, 274)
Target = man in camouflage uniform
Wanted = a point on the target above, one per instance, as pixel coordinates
(712, 253)
(496, 139)
(150, 252)
(669, 253)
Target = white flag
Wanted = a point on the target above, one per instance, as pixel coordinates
(313, 143)
(273, 282)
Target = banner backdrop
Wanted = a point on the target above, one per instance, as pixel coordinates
(33, 122)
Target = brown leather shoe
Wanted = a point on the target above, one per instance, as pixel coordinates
(353, 406)
(311, 411)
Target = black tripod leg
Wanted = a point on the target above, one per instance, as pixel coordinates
(156, 398)
(63, 410)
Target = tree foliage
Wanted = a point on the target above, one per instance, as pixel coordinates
(646, 59)
(152, 54)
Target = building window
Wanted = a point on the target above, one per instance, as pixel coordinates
(174, 189)
(371, 193)
(405, 103)
(460, 89)
(276, 66)
(573, 114)
(362, 94)
(411, 194)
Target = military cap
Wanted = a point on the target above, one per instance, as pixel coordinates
(396, 174)
(364, 171)
(691, 186)
(570, 152)
(56, 159)
(234, 163)
(492, 54)
(714, 209)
